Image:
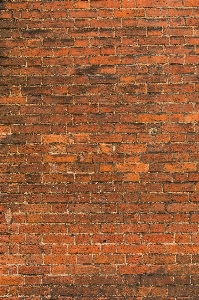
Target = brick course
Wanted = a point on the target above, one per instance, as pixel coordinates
(99, 149)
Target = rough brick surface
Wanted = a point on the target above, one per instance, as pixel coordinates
(99, 104)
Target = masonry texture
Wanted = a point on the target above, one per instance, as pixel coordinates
(99, 143)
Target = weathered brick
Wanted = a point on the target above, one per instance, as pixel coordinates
(99, 149)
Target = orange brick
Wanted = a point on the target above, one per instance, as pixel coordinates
(12, 100)
(192, 118)
(191, 3)
(59, 158)
(55, 138)
(11, 280)
(129, 13)
(181, 167)
(4, 130)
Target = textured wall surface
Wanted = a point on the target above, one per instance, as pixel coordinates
(99, 149)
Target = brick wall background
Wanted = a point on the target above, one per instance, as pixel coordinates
(99, 149)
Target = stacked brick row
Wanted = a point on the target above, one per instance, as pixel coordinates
(99, 149)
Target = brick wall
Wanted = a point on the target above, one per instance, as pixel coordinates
(99, 149)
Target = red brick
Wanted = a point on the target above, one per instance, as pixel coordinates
(179, 187)
(129, 148)
(133, 269)
(110, 60)
(12, 260)
(28, 270)
(182, 228)
(109, 259)
(99, 149)
(178, 207)
(158, 238)
(11, 280)
(139, 167)
(149, 118)
(103, 3)
(129, 13)
(56, 239)
(58, 178)
(59, 259)
(36, 290)
(81, 270)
